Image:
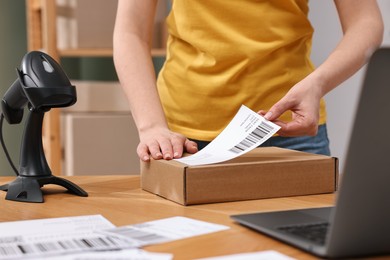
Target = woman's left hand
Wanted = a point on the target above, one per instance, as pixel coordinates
(303, 100)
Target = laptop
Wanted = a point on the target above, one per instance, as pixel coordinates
(359, 223)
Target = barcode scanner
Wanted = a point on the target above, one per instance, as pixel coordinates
(40, 86)
(41, 83)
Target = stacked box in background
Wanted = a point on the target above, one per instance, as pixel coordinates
(90, 23)
(99, 135)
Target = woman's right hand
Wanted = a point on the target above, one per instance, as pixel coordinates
(161, 143)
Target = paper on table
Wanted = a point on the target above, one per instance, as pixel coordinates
(125, 254)
(264, 255)
(53, 236)
(246, 131)
(164, 230)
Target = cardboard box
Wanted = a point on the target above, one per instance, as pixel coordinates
(99, 131)
(99, 96)
(85, 23)
(262, 173)
(90, 23)
(99, 144)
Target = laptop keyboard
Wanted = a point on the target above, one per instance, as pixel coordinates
(315, 232)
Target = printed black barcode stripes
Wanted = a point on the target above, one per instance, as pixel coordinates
(139, 235)
(26, 249)
(46, 247)
(95, 243)
(256, 135)
(60, 246)
(11, 250)
(7, 250)
(67, 244)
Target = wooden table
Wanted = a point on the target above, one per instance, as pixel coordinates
(121, 200)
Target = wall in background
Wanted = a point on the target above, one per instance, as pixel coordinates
(13, 46)
(342, 101)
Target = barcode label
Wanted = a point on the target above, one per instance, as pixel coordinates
(140, 236)
(256, 135)
(71, 245)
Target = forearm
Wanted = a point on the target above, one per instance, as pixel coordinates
(136, 73)
(361, 38)
(133, 62)
(363, 29)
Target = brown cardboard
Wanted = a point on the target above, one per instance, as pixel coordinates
(99, 96)
(90, 23)
(96, 143)
(267, 172)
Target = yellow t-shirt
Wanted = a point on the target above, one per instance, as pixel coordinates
(224, 53)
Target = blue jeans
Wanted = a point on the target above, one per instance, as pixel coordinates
(318, 144)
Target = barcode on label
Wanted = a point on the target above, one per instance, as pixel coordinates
(139, 235)
(71, 245)
(256, 135)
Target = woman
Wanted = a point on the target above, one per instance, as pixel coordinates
(221, 54)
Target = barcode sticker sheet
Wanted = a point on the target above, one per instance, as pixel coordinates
(246, 131)
(83, 237)
(164, 230)
(54, 236)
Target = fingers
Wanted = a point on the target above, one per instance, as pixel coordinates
(177, 145)
(304, 111)
(294, 129)
(143, 152)
(277, 109)
(191, 146)
(166, 147)
(154, 149)
(147, 151)
(302, 123)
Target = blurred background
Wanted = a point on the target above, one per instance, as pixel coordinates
(341, 102)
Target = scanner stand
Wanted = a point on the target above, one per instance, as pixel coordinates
(34, 172)
(28, 189)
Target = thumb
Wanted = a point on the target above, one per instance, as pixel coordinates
(190, 146)
(276, 110)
